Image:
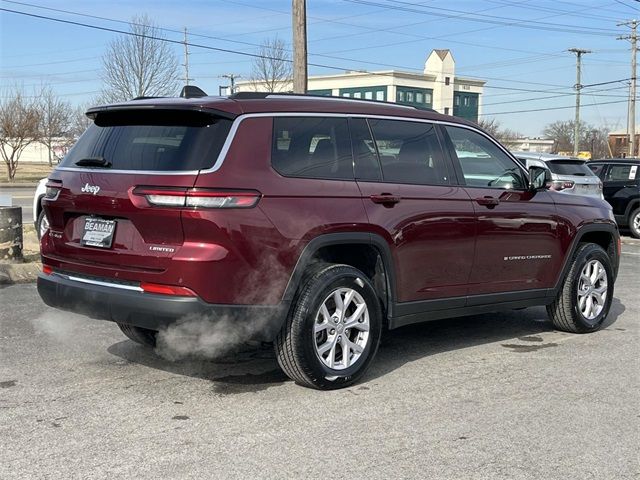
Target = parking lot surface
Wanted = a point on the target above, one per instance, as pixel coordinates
(490, 396)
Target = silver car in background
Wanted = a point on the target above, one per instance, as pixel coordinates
(568, 174)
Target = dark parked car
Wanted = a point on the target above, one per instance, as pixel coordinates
(621, 180)
(313, 223)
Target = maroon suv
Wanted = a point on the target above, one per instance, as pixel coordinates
(314, 223)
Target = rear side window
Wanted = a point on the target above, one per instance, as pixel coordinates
(570, 167)
(483, 163)
(312, 147)
(621, 173)
(409, 152)
(152, 140)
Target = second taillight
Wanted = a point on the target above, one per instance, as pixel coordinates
(197, 197)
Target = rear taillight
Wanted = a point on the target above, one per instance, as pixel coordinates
(167, 289)
(47, 270)
(53, 188)
(562, 184)
(198, 197)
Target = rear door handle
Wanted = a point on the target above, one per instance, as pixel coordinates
(487, 201)
(385, 199)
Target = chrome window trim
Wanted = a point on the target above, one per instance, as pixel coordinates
(100, 283)
(240, 118)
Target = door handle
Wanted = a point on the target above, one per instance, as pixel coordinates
(385, 199)
(487, 201)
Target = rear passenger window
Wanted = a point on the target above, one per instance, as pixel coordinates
(367, 166)
(409, 152)
(483, 163)
(620, 173)
(312, 147)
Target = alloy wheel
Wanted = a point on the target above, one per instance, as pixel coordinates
(341, 328)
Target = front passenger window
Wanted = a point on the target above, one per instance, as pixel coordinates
(483, 163)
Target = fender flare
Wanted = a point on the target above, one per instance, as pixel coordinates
(343, 238)
(609, 228)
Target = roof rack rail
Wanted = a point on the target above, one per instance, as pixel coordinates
(142, 97)
(191, 91)
(263, 95)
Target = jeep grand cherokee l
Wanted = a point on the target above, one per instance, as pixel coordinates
(327, 219)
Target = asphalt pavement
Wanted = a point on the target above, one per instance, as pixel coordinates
(21, 197)
(497, 396)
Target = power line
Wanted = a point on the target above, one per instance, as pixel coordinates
(552, 108)
(483, 18)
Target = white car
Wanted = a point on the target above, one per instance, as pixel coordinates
(40, 219)
(568, 174)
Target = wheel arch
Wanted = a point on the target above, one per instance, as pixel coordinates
(632, 205)
(603, 234)
(368, 252)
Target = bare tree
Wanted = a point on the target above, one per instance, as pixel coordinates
(271, 69)
(79, 121)
(19, 127)
(55, 119)
(490, 125)
(506, 136)
(139, 65)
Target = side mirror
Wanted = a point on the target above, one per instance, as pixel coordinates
(539, 174)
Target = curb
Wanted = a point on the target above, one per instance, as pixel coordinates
(11, 273)
(19, 185)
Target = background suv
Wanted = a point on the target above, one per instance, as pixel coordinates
(621, 189)
(314, 223)
(568, 175)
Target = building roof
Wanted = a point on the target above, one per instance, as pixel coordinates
(442, 53)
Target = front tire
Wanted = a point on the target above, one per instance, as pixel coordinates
(586, 294)
(140, 335)
(634, 223)
(333, 330)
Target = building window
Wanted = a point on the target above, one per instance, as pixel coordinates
(456, 101)
(346, 94)
(466, 101)
(419, 97)
(427, 98)
(357, 95)
(400, 96)
(409, 96)
(446, 110)
(380, 95)
(368, 95)
(447, 80)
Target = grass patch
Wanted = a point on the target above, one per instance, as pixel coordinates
(29, 172)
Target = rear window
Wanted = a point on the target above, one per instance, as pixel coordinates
(165, 140)
(570, 167)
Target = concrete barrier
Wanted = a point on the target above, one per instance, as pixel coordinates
(10, 233)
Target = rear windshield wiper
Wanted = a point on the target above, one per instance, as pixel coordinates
(94, 162)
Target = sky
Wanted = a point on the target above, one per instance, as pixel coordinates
(520, 47)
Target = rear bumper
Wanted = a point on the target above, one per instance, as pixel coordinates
(153, 311)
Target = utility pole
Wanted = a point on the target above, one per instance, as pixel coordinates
(631, 125)
(299, 13)
(232, 81)
(186, 78)
(578, 86)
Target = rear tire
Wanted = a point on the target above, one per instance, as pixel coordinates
(333, 330)
(140, 335)
(634, 223)
(42, 224)
(586, 294)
